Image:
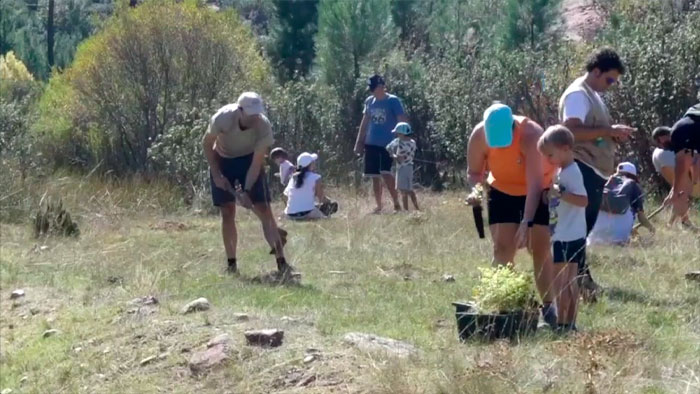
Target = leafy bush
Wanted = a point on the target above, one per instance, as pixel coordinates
(129, 81)
(178, 155)
(306, 116)
(18, 158)
(502, 289)
(53, 219)
(662, 53)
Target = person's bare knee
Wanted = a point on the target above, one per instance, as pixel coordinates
(503, 251)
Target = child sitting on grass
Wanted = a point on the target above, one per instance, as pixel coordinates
(303, 190)
(403, 150)
(623, 200)
(567, 210)
(281, 158)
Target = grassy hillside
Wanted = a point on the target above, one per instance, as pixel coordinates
(374, 274)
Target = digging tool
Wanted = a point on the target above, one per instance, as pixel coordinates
(477, 210)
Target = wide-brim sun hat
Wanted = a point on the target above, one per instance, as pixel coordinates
(498, 125)
(251, 103)
(305, 159)
(402, 128)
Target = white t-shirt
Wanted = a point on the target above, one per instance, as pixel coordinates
(663, 158)
(286, 171)
(302, 199)
(568, 221)
(576, 105)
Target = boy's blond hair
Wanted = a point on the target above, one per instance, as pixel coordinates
(557, 136)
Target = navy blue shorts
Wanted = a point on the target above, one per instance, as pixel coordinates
(236, 169)
(570, 252)
(377, 160)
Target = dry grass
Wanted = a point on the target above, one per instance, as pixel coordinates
(643, 336)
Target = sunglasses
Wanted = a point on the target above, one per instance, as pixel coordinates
(610, 80)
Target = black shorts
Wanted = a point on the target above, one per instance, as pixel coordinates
(686, 134)
(570, 252)
(504, 208)
(236, 169)
(377, 161)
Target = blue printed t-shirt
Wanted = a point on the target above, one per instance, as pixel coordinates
(383, 116)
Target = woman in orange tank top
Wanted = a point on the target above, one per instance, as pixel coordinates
(507, 146)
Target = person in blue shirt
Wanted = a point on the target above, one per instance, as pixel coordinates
(382, 111)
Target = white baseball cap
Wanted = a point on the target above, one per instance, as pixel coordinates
(305, 159)
(251, 103)
(627, 167)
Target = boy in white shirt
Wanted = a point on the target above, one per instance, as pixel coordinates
(403, 149)
(567, 209)
(281, 158)
(303, 189)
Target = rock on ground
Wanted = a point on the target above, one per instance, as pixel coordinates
(223, 339)
(693, 275)
(148, 360)
(50, 333)
(208, 359)
(200, 304)
(269, 337)
(141, 301)
(241, 317)
(373, 343)
(448, 278)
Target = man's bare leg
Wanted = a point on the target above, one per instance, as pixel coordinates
(229, 233)
(264, 212)
(377, 189)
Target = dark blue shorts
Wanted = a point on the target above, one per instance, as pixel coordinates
(570, 252)
(377, 161)
(236, 169)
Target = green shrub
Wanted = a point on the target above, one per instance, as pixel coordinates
(53, 219)
(502, 289)
(177, 154)
(662, 53)
(306, 116)
(129, 81)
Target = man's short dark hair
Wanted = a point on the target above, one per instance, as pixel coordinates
(374, 81)
(661, 131)
(278, 152)
(605, 59)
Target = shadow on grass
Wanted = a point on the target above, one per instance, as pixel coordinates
(274, 279)
(627, 295)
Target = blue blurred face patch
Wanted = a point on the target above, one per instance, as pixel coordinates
(498, 126)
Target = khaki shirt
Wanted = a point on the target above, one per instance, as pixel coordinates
(231, 141)
(598, 154)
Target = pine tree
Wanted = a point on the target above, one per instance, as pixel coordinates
(292, 37)
(528, 20)
(350, 33)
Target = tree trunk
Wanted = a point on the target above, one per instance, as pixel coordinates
(50, 35)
